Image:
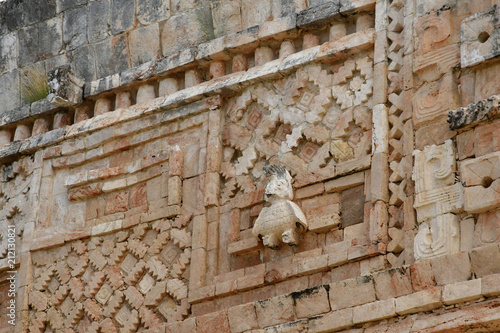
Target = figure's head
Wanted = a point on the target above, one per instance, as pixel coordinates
(279, 185)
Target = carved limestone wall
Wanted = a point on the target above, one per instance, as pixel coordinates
(139, 189)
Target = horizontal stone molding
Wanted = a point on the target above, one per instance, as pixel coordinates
(474, 114)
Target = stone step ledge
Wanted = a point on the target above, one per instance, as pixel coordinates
(390, 283)
(315, 309)
(473, 114)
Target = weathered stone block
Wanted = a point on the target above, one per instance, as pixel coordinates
(480, 37)
(75, 28)
(374, 311)
(451, 268)
(255, 13)
(122, 15)
(36, 11)
(13, 116)
(99, 15)
(487, 83)
(113, 56)
(144, 44)
(27, 43)
(275, 310)
(84, 63)
(316, 16)
(63, 5)
(242, 318)
(481, 171)
(393, 283)
(352, 292)
(332, 321)
(487, 138)
(352, 206)
(490, 285)
(9, 82)
(50, 38)
(311, 302)
(8, 52)
(485, 260)
(460, 292)
(420, 301)
(182, 31)
(479, 199)
(284, 8)
(151, 11)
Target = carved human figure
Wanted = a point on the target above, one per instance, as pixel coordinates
(283, 221)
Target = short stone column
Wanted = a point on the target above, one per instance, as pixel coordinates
(83, 112)
(5, 137)
(61, 119)
(22, 132)
(40, 126)
(364, 22)
(310, 40)
(263, 55)
(146, 92)
(102, 105)
(239, 63)
(123, 100)
(192, 78)
(337, 31)
(287, 48)
(217, 69)
(168, 86)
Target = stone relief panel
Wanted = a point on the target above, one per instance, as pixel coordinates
(436, 53)
(480, 37)
(299, 122)
(316, 133)
(122, 181)
(122, 281)
(482, 183)
(438, 198)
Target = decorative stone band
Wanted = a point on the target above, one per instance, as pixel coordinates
(475, 113)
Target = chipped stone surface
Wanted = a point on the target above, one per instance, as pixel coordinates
(480, 37)
(474, 113)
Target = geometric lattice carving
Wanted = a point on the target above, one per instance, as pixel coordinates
(87, 294)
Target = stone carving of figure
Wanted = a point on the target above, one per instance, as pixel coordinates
(283, 221)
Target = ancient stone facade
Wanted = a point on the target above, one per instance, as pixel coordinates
(133, 197)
